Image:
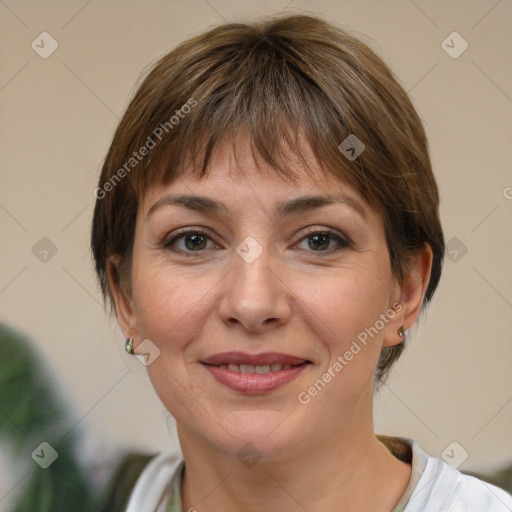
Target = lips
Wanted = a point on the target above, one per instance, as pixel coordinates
(253, 374)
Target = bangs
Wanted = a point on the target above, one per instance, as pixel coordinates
(262, 94)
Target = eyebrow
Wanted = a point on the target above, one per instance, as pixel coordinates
(288, 208)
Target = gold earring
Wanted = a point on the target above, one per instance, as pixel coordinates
(128, 346)
(402, 331)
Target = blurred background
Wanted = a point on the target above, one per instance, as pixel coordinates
(67, 72)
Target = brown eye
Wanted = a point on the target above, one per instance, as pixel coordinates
(321, 241)
(188, 241)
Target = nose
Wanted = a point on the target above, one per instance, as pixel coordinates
(255, 295)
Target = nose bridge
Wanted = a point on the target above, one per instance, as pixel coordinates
(251, 266)
(254, 294)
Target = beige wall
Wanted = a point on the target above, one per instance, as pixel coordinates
(58, 114)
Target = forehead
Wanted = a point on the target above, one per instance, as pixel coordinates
(235, 174)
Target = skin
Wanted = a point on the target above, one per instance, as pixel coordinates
(297, 297)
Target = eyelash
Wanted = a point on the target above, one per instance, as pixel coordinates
(343, 243)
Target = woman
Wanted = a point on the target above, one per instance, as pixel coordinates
(267, 229)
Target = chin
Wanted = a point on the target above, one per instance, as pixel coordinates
(266, 432)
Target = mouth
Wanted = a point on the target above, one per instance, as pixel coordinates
(252, 374)
(260, 369)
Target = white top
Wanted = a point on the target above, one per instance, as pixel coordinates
(435, 486)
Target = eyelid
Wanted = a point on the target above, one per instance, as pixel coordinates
(331, 231)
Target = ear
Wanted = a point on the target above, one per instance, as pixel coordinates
(122, 297)
(408, 295)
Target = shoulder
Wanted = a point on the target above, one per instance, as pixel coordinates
(152, 487)
(480, 495)
(443, 487)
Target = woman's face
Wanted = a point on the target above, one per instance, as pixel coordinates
(262, 278)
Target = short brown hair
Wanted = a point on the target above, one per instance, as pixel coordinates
(274, 79)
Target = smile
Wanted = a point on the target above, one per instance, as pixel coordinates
(259, 369)
(253, 374)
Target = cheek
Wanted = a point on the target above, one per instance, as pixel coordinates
(172, 308)
(170, 304)
(342, 316)
(349, 301)
(344, 312)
